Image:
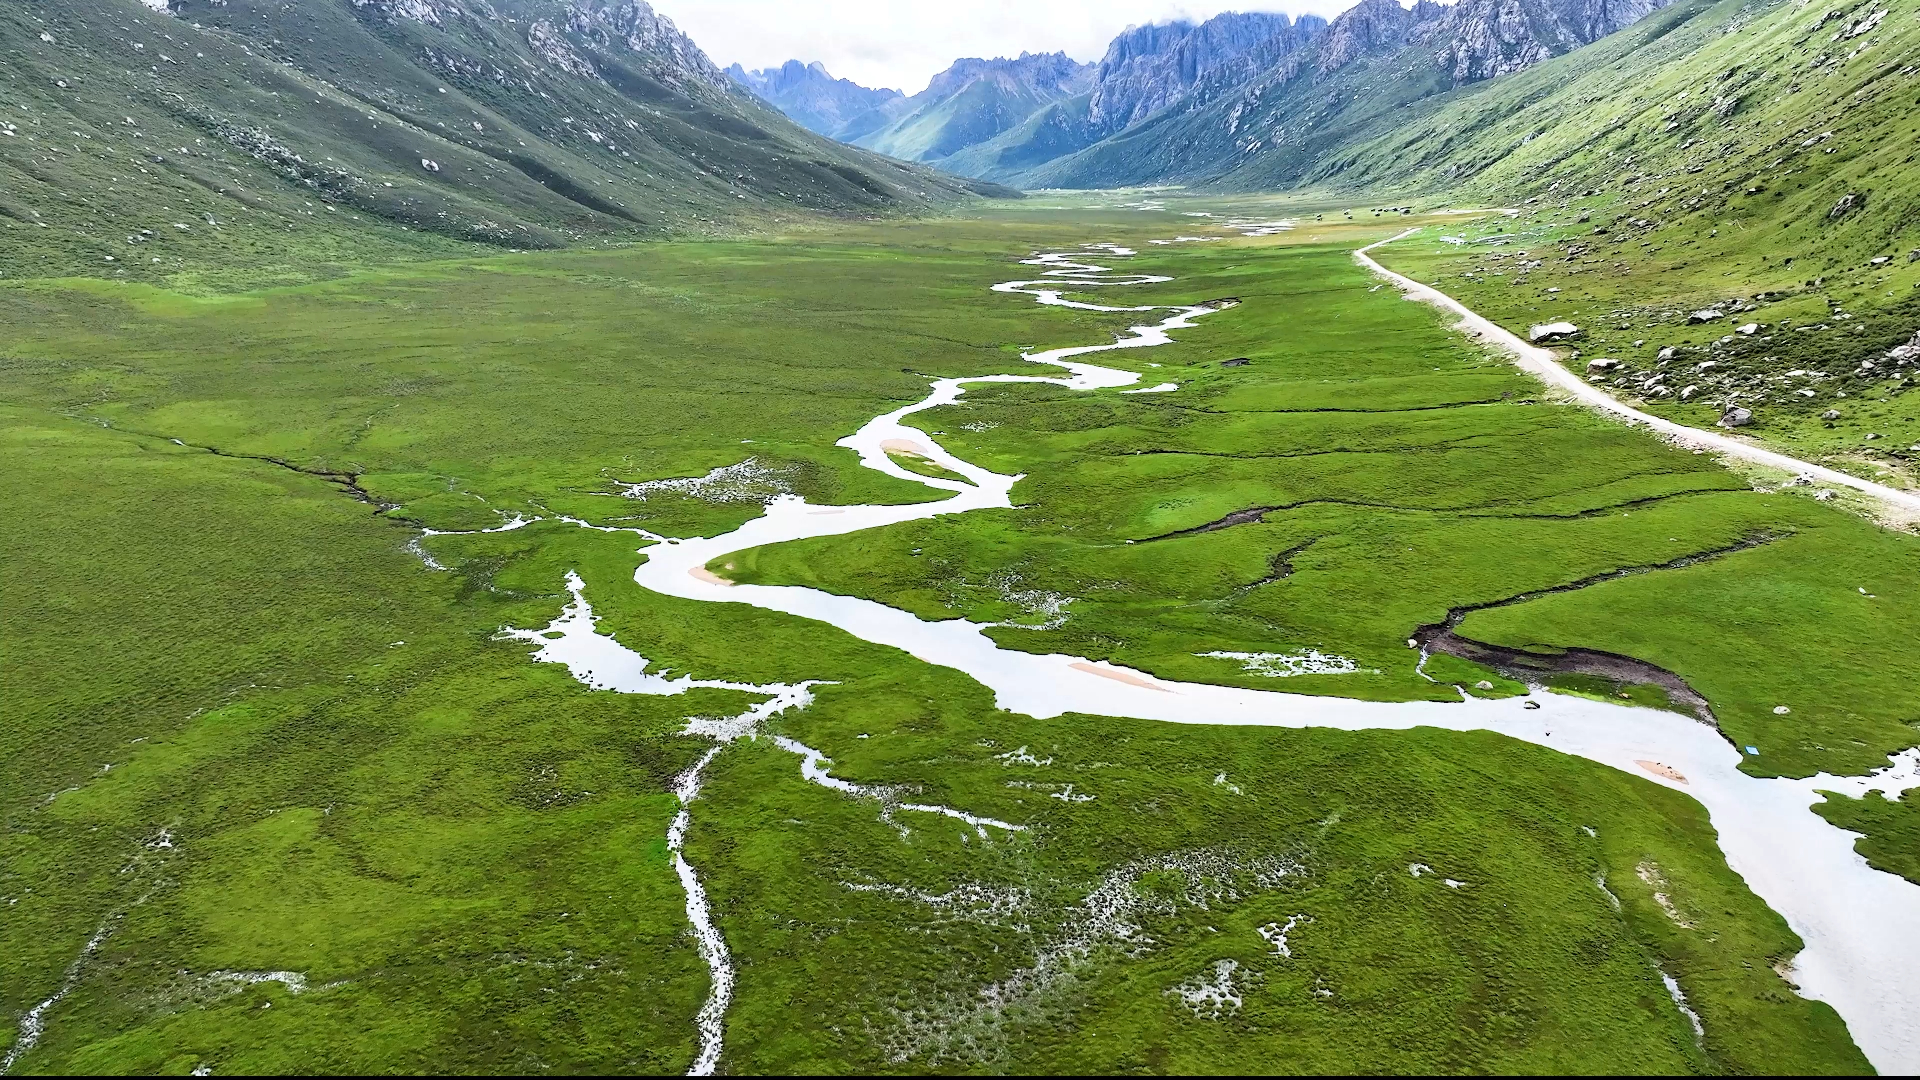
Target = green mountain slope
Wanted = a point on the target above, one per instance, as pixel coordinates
(1757, 163)
(969, 103)
(247, 133)
(1052, 132)
(1805, 105)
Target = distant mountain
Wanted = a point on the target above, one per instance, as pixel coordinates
(1252, 101)
(812, 97)
(972, 101)
(523, 123)
(1144, 70)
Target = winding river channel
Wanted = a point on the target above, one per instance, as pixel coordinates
(1861, 926)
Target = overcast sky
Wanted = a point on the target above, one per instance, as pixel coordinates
(903, 43)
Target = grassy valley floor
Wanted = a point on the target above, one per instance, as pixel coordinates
(279, 800)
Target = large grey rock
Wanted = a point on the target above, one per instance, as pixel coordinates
(1705, 315)
(1848, 203)
(1550, 332)
(1735, 416)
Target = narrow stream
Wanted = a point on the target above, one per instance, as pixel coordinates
(1861, 926)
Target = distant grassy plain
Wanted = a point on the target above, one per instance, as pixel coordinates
(249, 731)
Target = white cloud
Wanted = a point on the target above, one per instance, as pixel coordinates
(903, 43)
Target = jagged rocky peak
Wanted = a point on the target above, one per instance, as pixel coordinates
(1052, 73)
(811, 95)
(1148, 67)
(634, 25)
(1367, 29)
(1479, 39)
(794, 75)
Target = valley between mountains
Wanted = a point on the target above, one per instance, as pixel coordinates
(1382, 543)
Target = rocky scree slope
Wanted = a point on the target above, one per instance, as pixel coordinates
(815, 99)
(1263, 127)
(140, 142)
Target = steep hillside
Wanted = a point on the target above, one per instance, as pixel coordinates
(1724, 200)
(1144, 70)
(230, 133)
(973, 101)
(812, 97)
(1264, 128)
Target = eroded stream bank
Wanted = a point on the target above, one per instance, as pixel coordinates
(1861, 926)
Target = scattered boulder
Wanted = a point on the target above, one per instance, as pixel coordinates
(1735, 416)
(1748, 329)
(1689, 392)
(1705, 315)
(1548, 332)
(429, 164)
(1848, 203)
(1602, 364)
(1238, 361)
(1667, 353)
(1830, 414)
(1909, 351)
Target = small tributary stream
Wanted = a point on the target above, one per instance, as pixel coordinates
(1861, 926)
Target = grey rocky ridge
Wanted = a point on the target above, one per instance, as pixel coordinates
(1144, 70)
(813, 97)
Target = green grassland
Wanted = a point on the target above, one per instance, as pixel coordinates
(1819, 345)
(247, 730)
(1401, 474)
(1890, 828)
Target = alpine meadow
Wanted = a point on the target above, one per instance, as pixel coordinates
(1379, 540)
